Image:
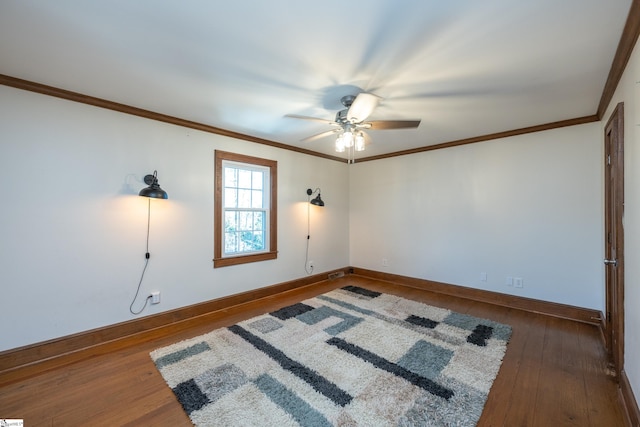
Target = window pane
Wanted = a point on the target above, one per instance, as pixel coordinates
(230, 177)
(250, 241)
(258, 221)
(244, 198)
(230, 198)
(258, 178)
(244, 232)
(258, 240)
(256, 199)
(230, 221)
(245, 241)
(244, 178)
(246, 221)
(230, 243)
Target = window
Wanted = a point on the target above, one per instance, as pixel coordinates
(245, 215)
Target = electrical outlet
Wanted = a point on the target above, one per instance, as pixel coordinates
(385, 262)
(155, 297)
(509, 281)
(517, 282)
(483, 277)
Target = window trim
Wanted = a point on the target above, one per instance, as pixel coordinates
(272, 253)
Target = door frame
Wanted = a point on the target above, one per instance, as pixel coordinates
(614, 238)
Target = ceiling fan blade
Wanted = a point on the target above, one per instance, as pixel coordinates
(315, 119)
(320, 135)
(362, 107)
(392, 124)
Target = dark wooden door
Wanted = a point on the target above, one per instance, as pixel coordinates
(614, 238)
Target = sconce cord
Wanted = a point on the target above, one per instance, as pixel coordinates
(306, 257)
(146, 263)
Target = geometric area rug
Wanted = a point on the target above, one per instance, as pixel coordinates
(350, 357)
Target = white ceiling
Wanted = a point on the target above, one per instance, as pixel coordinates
(465, 67)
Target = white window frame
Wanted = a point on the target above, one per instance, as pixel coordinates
(263, 209)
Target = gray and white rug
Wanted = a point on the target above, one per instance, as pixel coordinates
(351, 357)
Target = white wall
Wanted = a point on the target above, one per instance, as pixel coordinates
(528, 206)
(628, 91)
(72, 228)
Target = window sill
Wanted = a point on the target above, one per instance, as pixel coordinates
(243, 259)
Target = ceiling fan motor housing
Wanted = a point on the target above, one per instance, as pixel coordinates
(347, 100)
(341, 116)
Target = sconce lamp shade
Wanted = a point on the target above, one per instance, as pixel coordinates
(317, 200)
(153, 190)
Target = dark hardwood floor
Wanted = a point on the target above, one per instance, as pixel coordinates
(554, 372)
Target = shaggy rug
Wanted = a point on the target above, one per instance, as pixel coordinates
(351, 357)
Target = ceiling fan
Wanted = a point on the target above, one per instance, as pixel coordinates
(350, 122)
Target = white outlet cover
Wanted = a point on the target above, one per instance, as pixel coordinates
(155, 297)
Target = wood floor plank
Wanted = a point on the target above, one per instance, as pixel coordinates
(499, 400)
(553, 373)
(598, 377)
(520, 410)
(561, 387)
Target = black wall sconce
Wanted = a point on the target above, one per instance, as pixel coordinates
(308, 267)
(317, 200)
(153, 191)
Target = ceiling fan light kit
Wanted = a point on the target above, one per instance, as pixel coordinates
(350, 122)
(359, 145)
